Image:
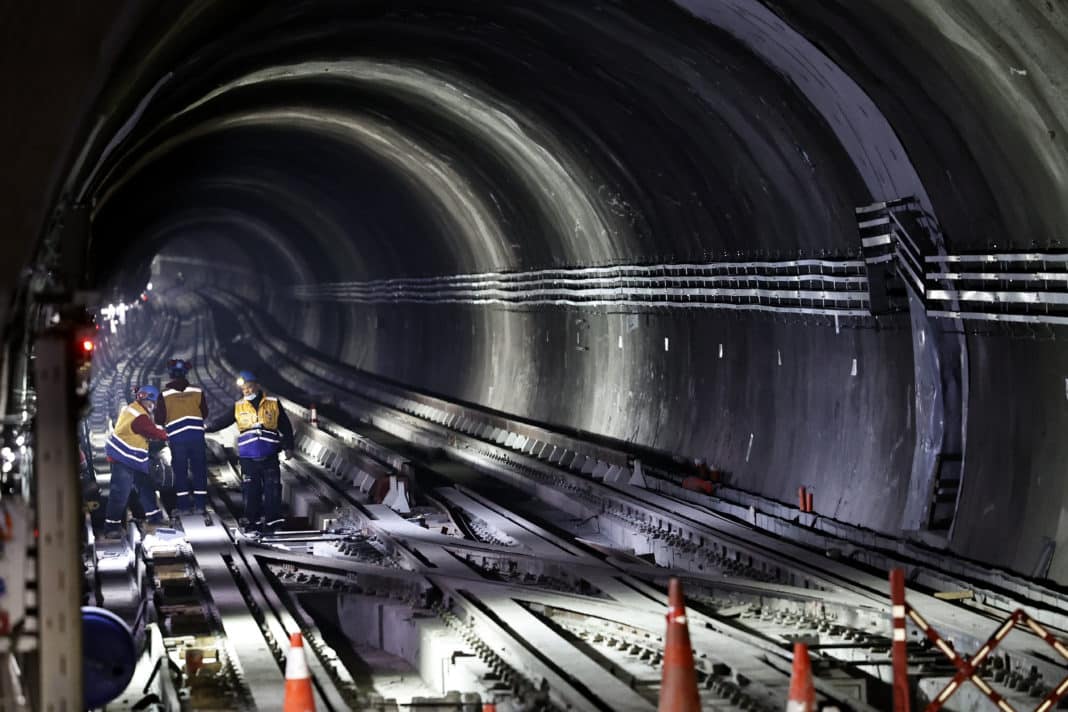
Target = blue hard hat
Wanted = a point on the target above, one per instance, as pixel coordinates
(246, 377)
(178, 365)
(148, 393)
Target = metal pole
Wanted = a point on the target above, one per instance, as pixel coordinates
(58, 559)
(899, 651)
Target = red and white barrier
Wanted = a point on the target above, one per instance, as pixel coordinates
(967, 668)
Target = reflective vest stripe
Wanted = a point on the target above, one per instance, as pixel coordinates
(131, 452)
(268, 435)
(185, 424)
(189, 389)
(188, 428)
(186, 419)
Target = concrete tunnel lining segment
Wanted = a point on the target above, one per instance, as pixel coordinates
(793, 138)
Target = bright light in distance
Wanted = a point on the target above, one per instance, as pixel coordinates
(20, 440)
(148, 286)
(87, 345)
(7, 467)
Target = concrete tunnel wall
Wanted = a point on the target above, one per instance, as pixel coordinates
(341, 144)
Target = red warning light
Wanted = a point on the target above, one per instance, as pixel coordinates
(87, 345)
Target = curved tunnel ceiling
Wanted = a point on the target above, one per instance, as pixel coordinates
(325, 147)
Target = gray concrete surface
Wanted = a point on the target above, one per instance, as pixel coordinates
(433, 137)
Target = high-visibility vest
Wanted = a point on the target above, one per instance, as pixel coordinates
(258, 434)
(123, 444)
(183, 412)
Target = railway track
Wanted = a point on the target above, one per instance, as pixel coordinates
(533, 559)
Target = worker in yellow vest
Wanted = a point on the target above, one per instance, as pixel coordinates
(182, 410)
(264, 431)
(127, 451)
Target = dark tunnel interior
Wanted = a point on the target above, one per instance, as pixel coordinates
(558, 307)
(302, 157)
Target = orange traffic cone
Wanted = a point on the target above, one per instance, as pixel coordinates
(678, 683)
(299, 697)
(802, 690)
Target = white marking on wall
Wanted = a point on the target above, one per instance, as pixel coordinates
(1066, 389)
(854, 371)
(667, 344)
(620, 342)
(908, 408)
(778, 352)
(836, 323)
(721, 352)
(749, 449)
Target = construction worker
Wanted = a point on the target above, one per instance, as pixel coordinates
(264, 430)
(127, 451)
(182, 411)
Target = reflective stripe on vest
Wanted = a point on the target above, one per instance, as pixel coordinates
(258, 428)
(183, 410)
(123, 444)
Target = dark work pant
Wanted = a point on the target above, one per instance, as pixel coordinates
(188, 458)
(261, 486)
(123, 479)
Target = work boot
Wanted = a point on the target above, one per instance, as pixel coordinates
(153, 523)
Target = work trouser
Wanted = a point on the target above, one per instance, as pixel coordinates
(123, 479)
(261, 487)
(188, 458)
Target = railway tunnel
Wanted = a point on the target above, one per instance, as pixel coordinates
(769, 245)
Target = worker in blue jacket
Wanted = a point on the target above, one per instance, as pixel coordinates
(264, 431)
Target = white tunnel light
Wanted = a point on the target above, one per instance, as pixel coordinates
(148, 287)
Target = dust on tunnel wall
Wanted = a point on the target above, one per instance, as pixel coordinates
(696, 151)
